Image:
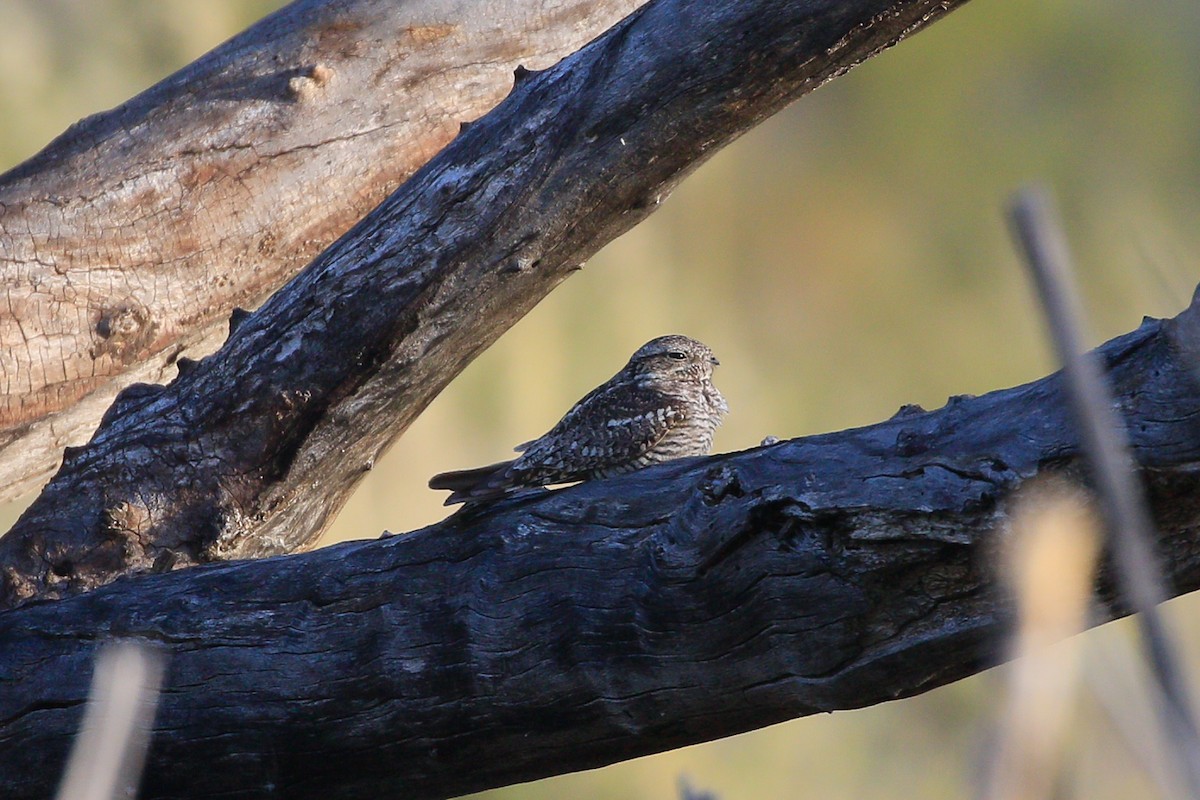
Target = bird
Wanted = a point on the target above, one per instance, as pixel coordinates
(660, 406)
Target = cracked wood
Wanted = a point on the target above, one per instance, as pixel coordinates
(564, 630)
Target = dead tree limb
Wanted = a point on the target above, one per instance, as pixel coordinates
(251, 451)
(127, 241)
(561, 631)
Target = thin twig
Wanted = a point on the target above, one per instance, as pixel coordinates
(1105, 446)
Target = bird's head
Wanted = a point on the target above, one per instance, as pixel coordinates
(673, 358)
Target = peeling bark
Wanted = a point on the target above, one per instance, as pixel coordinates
(251, 451)
(559, 631)
(129, 239)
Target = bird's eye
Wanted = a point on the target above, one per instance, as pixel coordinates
(675, 354)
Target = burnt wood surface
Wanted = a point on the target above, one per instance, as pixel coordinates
(563, 630)
(251, 451)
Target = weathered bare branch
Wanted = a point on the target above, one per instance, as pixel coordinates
(127, 241)
(251, 451)
(560, 631)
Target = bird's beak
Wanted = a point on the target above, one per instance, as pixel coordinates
(714, 361)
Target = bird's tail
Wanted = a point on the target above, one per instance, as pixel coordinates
(481, 483)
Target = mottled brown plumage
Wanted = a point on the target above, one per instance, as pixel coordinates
(661, 405)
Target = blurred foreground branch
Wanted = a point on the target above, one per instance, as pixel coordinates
(107, 755)
(565, 630)
(1130, 529)
(253, 450)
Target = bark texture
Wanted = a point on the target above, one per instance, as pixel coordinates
(251, 451)
(125, 244)
(560, 631)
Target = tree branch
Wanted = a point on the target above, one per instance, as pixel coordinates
(128, 240)
(251, 452)
(560, 631)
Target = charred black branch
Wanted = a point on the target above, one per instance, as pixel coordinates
(564, 630)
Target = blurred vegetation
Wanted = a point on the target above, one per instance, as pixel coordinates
(842, 259)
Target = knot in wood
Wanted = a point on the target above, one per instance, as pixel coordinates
(304, 86)
(320, 74)
(719, 483)
(120, 321)
(123, 330)
(910, 442)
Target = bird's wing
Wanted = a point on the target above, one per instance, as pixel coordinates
(612, 426)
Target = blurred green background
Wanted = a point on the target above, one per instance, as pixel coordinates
(845, 258)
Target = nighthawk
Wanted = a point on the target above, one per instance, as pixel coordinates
(661, 405)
